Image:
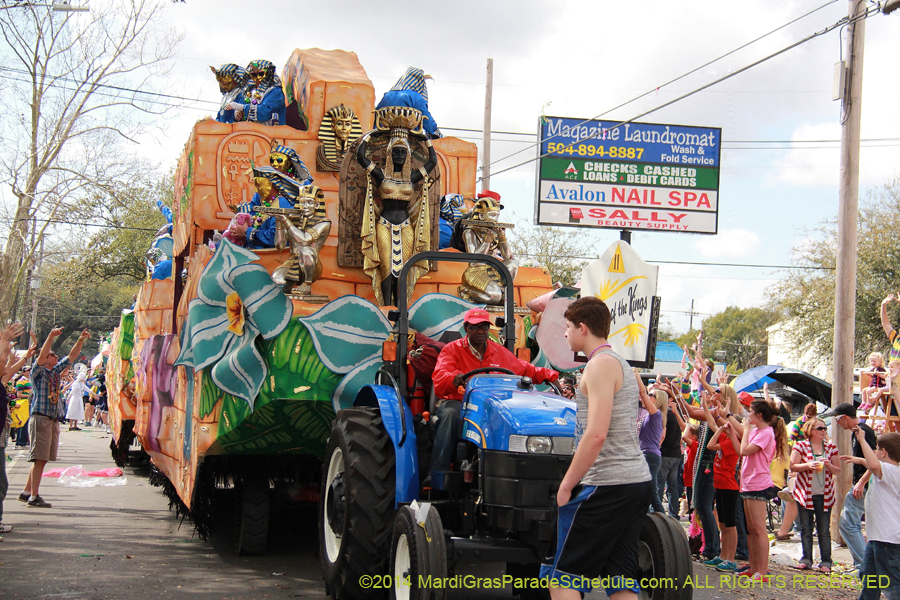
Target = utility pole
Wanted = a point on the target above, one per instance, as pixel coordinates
(848, 211)
(36, 286)
(691, 326)
(486, 139)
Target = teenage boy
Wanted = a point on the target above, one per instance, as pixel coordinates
(880, 570)
(604, 494)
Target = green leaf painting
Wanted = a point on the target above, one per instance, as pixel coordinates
(293, 411)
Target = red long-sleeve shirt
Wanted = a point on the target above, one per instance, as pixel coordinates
(456, 358)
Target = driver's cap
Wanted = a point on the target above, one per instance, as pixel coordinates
(474, 316)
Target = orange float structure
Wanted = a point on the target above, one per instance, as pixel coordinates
(198, 436)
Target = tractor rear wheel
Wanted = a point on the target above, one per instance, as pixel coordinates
(356, 505)
(251, 516)
(664, 558)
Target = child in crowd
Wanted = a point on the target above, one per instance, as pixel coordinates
(759, 446)
(796, 431)
(690, 436)
(727, 490)
(880, 570)
(815, 460)
(878, 385)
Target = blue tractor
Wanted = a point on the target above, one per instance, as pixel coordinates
(382, 533)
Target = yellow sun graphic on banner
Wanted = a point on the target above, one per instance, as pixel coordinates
(632, 333)
(612, 287)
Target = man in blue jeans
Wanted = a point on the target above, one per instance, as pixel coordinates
(854, 503)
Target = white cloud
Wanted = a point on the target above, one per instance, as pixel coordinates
(729, 244)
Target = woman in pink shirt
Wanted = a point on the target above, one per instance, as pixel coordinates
(758, 446)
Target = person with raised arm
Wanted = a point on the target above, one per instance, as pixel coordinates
(880, 570)
(43, 426)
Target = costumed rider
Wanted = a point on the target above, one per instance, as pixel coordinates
(284, 160)
(266, 98)
(451, 213)
(167, 213)
(271, 188)
(410, 91)
(474, 351)
(159, 266)
(233, 81)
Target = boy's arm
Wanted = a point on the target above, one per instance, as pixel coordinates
(872, 462)
(21, 362)
(707, 414)
(9, 333)
(714, 441)
(76, 349)
(885, 320)
(600, 379)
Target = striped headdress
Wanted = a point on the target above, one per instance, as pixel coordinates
(413, 79)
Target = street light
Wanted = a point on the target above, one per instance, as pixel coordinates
(66, 7)
(56, 7)
(890, 6)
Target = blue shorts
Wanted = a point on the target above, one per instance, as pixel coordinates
(764, 495)
(598, 532)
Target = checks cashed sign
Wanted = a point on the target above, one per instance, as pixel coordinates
(628, 287)
(603, 174)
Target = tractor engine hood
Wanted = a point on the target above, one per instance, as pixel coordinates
(495, 410)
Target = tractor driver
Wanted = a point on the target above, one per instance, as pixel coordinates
(474, 351)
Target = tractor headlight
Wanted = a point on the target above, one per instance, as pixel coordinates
(541, 444)
(538, 444)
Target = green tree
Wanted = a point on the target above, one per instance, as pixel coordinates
(805, 297)
(563, 252)
(131, 221)
(85, 284)
(68, 95)
(741, 334)
(69, 299)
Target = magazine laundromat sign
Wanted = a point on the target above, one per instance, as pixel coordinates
(603, 174)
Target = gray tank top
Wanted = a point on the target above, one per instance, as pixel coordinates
(620, 460)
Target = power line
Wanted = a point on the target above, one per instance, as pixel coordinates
(701, 264)
(828, 29)
(62, 222)
(692, 71)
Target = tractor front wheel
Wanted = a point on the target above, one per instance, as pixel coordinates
(356, 505)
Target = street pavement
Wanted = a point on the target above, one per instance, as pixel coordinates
(123, 542)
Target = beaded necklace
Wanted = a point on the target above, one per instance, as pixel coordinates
(597, 348)
(259, 218)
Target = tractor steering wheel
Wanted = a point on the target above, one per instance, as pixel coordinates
(466, 376)
(557, 389)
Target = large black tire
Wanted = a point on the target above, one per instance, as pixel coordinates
(356, 506)
(251, 517)
(418, 555)
(664, 557)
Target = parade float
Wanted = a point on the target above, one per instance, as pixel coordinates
(237, 383)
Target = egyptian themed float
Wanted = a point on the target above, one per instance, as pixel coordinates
(235, 382)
